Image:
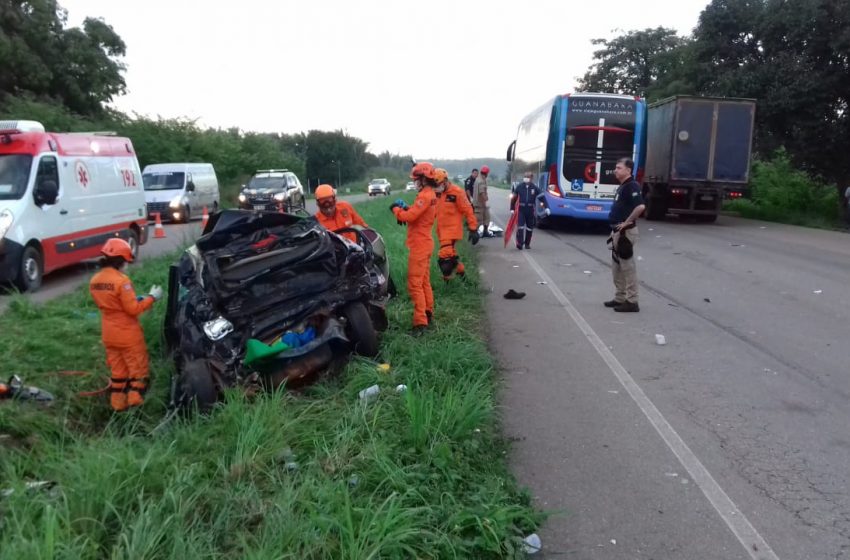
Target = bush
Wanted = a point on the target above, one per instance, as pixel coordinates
(782, 193)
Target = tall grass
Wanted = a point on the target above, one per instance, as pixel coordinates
(314, 475)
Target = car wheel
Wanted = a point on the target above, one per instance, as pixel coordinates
(30, 271)
(133, 240)
(360, 330)
(187, 214)
(198, 386)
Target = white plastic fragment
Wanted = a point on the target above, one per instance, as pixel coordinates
(588, 272)
(818, 292)
(660, 340)
(532, 544)
(369, 393)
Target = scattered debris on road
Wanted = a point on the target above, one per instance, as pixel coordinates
(660, 340)
(706, 300)
(818, 292)
(532, 544)
(588, 272)
(511, 294)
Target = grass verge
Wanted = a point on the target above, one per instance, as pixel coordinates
(311, 475)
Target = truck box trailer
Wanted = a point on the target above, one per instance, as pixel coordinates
(698, 153)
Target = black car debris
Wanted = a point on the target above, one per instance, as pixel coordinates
(266, 298)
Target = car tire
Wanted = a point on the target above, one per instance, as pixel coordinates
(30, 270)
(133, 240)
(360, 330)
(197, 386)
(187, 215)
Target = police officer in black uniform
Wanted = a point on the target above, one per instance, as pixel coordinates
(628, 206)
(522, 201)
(469, 182)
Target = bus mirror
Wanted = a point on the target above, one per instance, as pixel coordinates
(510, 155)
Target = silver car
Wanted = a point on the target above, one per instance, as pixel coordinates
(378, 186)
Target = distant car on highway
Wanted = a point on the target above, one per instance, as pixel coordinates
(378, 186)
(410, 186)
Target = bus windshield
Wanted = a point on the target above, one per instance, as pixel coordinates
(14, 175)
(599, 132)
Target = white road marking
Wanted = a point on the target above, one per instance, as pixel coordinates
(737, 522)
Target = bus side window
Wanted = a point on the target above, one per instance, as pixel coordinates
(46, 189)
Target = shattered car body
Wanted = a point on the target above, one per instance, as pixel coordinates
(271, 279)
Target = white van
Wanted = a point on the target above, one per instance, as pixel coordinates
(180, 191)
(61, 197)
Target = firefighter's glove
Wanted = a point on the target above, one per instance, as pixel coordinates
(395, 205)
(156, 292)
(473, 236)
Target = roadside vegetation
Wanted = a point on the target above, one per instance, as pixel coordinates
(781, 193)
(317, 474)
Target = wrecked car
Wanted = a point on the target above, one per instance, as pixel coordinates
(263, 299)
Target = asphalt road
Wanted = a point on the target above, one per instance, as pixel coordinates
(177, 235)
(730, 441)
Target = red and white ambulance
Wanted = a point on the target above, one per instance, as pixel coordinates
(61, 197)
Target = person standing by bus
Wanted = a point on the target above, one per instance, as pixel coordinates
(628, 206)
(522, 201)
(452, 208)
(480, 200)
(420, 220)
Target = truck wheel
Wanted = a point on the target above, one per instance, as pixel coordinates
(30, 271)
(360, 330)
(656, 208)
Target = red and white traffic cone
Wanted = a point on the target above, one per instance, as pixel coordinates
(205, 219)
(158, 230)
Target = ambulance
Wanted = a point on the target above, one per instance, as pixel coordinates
(61, 197)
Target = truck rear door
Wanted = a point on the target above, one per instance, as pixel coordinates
(733, 141)
(692, 144)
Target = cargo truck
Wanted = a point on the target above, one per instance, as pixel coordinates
(698, 154)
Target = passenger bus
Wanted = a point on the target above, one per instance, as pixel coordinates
(572, 144)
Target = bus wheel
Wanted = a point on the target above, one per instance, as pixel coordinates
(31, 270)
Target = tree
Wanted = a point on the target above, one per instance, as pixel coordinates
(793, 56)
(632, 63)
(38, 55)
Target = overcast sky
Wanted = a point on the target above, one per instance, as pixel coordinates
(448, 79)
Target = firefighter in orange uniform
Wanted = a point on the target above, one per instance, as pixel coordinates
(420, 220)
(336, 214)
(452, 207)
(122, 335)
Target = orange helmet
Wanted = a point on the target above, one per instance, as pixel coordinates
(440, 175)
(423, 169)
(117, 247)
(324, 191)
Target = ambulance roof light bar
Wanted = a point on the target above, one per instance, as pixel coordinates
(16, 127)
